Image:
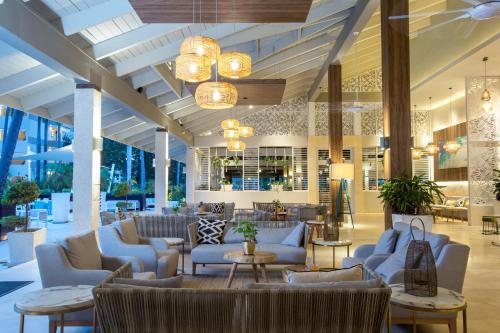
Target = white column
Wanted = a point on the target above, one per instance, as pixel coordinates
(86, 157)
(162, 163)
(190, 173)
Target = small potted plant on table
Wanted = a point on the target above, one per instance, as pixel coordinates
(410, 198)
(277, 185)
(23, 240)
(248, 230)
(226, 185)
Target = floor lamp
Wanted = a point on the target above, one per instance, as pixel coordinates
(343, 172)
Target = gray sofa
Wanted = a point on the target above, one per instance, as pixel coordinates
(269, 237)
(387, 258)
(122, 239)
(191, 208)
(56, 263)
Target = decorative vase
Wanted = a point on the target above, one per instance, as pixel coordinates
(249, 248)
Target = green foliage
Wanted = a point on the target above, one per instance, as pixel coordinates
(412, 196)
(22, 192)
(13, 221)
(224, 181)
(104, 179)
(176, 209)
(497, 184)
(123, 205)
(61, 178)
(150, 186)
(247, 229)
(176, 192)
(121, 190)
(277, 182)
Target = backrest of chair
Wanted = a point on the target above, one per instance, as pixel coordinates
(52, 261)
(108, 237)
(173, 225)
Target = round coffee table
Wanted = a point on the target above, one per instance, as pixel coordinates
(55, 301)
(259, 258)
(173, 241)
(332, 244)
(446, 301)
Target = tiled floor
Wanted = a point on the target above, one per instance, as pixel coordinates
(482, 285)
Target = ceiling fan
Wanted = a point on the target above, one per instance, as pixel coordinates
(479, 11)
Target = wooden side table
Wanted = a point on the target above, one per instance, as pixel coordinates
(332, 244)
(55, 301)
(173, 241)
(446, 301)
(259, 258)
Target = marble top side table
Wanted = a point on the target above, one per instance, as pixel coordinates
(55, 301)
(332, 244)
(446, 301)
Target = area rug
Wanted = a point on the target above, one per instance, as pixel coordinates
(6, 287)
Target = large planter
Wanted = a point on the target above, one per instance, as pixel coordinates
(61, 207)
(277, 188)
(22, 244)
(497, 208)
(427, 219)
(227, 188)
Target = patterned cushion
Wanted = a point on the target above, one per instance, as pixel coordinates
(460, 202)
(217, 207)
(210, 232)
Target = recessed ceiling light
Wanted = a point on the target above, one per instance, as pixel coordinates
(250, 106)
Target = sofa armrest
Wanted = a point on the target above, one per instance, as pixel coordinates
(167, 263)
(451, 266)
(159, 244)
(364, 251)
(193, 239)
(396, 277)
(113, 263)
(375, 260)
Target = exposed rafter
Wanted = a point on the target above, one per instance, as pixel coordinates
(26, 78)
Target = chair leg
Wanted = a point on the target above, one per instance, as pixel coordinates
(194, 269)
(452, 325)
(52, 326)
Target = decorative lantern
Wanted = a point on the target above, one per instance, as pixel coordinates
(201, 45)
(420, 276)
(231, 134)
(452, 146)
(432, 148)
(235, 65)
(245, 131)
(193, 67)
(230, 124)
(236, 146)
(216, 95)
(331, 229)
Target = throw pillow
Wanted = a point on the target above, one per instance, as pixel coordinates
(128, 231)
(172, 282)
(460, 202)
(217, 208)
(373, 283)
(349, 274)
(296, 236)
(272, 235)
(230, 237)
(386, 242)
(83, 252)
(394, 263)
(210, 232)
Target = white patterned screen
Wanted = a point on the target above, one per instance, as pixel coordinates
(421, 167)
(373, 168)
(300, 175)
(203, 166)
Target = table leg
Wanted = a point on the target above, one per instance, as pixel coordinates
(389, 319)
(333, 251)
(464, 318)
(62, 322)
(183, 257)
(255, 272)
(264, 273)
(348, 251)
(414, 322)
(21, 323)
(231, 275)
(94, 321)
(314, 254)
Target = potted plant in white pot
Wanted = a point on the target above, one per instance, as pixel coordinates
(249, 231)
(23, 240)
(497, 192)
(410, 198)
(277, 185)
(226, 185)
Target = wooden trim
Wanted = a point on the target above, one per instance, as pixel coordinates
(443, 135)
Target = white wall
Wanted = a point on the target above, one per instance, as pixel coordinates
(244, 199)
(441, 117)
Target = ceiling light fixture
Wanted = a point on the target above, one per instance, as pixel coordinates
(230, 124)
(432, 148)
(216, 95)
(231, 134)
(416, 154)
(452, 146)
(245, 131)
(192, 67)
(236, 146)
(234, 65)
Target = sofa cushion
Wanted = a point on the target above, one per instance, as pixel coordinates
(144, 275)
(296, 236)
(395, 262)
(172, 282)
(83, 252)
(216, 207)
(231, 237)
(386, 242)
(128, 231)
(210, 232)
(404, 235)
(348, 274)
(373, 283)
(273, 235)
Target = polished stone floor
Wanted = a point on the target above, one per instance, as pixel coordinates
(482, 284)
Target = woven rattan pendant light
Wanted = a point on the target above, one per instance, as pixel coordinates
(216, 95)
(236, 145)
(234, 65)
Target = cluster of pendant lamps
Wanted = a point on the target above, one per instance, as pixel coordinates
(194, 64)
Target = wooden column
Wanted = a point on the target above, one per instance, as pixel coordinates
(335, 126)
(396, 91)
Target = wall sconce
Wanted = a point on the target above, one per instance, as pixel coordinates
(98, 144)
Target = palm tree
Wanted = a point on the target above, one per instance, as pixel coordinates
(9, 146)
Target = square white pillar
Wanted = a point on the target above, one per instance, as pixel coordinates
(190, 173)
(86, 157)
(162, 163)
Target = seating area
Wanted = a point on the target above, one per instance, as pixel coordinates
(249, 166)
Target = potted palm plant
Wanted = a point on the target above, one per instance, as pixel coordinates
(249, 231)
(497, 192)
(226, 185)
(23, 240)
(410, 198)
